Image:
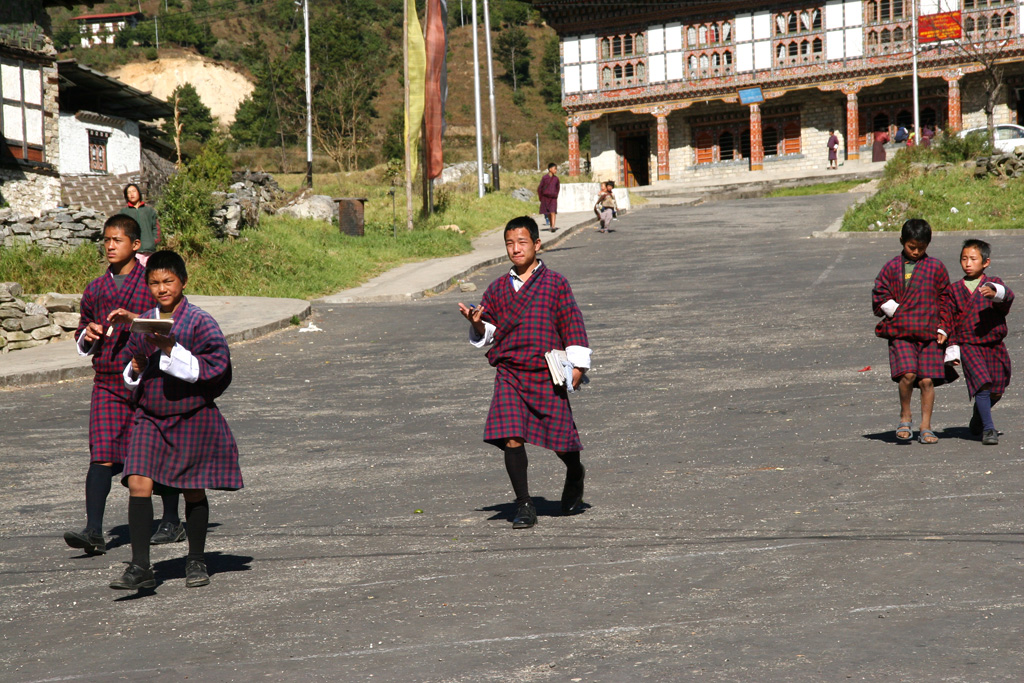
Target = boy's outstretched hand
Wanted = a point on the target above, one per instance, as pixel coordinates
(162, 342)
(474, 314)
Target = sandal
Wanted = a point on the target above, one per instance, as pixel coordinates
(925, 433)
(906, 428)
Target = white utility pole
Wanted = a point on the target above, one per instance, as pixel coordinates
(917, 109)
(495, 149)
(476, 100)
(309, 100)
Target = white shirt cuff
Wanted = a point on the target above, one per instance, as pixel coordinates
(889, 307)
(942, 331)
(82, 351)
(181, 364)
(952, 353)
(480, 341)
(579, 356)
(1000, 292)
(130, 380)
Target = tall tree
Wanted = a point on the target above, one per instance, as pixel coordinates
(513, 52)
(196, 120)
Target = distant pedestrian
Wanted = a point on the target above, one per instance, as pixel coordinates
(974, 311)
(548, 193)
(179, 442)
(523, 315)
(901, 134)
(833, 150)
(926, 136)
(606, 207)
(907, 296)
(145, 216)
(109, 304)
(878, 146)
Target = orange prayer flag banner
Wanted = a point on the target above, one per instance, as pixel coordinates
(931, 28)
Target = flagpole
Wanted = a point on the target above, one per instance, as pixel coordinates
(917, 108)
(408, 153)
(495, 150)
(309, 100)
(476, 99)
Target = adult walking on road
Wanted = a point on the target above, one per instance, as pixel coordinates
(833, 150)
(548, 193)
(145, 216)
(878, 146)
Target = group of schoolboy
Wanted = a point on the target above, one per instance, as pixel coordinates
(153, 417)
(933, 325)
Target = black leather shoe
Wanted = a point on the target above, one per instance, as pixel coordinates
(196, 574)
(134, 578)
(526, 516)
(88, 540)
(976, 426)
(990, 437)
(572, 494)
(168, 532)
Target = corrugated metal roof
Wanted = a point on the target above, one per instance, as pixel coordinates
(82, 88)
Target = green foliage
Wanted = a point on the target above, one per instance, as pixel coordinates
(837, 187)
(212, 165)
(181, 28)
(392, 147)
(512, 50)
(186, 203)
(196, 120)
(43, 271)
(509, 12)
(519, 98)
(550, 76)
(66, 36)
(952, 148)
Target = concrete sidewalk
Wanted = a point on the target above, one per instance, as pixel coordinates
(243, 317)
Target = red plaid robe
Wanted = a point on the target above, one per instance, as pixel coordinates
(548, 193)
(111, 408)
(917, 317)
(179, 438)
(978, 325)
(541, 316)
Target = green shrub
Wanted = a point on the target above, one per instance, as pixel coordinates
(953, 149)
(185, 208)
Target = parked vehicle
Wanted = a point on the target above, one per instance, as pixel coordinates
(1009, 136)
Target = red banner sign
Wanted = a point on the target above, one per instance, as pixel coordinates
(931, 28)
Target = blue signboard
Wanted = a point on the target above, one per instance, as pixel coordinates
(751, 96)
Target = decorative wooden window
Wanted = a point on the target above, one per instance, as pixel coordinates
(726, 147)
(606, 77)
(997, 22)
(98, 151)
(770, 140)
(983, 23)
(21, 110)
(968, 4)
(744, 152)
(616, 46)
(704, 147)
(627, 45)
(791, 138)
(871, 12)
(969, 25)
(885, 10)
(792, 26)
(897, 35)
(691, 37)
(886, 36)
(606, 49)
(817, 46)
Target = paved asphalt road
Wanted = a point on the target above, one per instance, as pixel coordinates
(750, 516)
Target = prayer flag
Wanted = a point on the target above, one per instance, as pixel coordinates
(436, 90)
(417, 74)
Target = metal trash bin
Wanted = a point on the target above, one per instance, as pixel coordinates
(350, 215)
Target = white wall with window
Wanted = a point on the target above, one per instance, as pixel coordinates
(665, 52)
(753, 41)
(579, 64)
(844, 29)
(21, 112)
(122, 151)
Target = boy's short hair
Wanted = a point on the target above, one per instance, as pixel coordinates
(983, 247)
(916, 229)
(551, 166)
(126, 224)
(167, 260)
(523, 222)
(610, 183)
(137, 189)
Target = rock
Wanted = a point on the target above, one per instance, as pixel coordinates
(59, 303)
(524, 195)
(12, 346)
(318, 207)
(32, 308)
(8, 290)
(3, 342)
(467, 287)
(11, 324)
(67, 321)
(32, 322)
(12, 308)
(46, 332)
(18, 336)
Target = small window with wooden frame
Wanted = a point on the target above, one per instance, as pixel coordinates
(98, 151)
(21, 111)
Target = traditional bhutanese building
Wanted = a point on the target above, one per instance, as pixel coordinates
(659, 82)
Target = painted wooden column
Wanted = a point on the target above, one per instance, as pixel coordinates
(574, 146)
(955, 117)
(852, 126)
(663, 170)
(756, 141)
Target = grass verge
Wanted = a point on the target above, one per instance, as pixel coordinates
(837, 187)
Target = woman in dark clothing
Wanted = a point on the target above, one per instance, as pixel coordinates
(878, 148)
(145, 216)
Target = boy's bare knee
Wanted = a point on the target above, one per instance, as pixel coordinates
(140, 487)
(926, 383)
(908, 378)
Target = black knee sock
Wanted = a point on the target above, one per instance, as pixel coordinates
(97, 488)
(574, 468)
(516, 464)
(197, 517)
(170, 501)
(140, 527)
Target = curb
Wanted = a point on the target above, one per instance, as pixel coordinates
(935, 233)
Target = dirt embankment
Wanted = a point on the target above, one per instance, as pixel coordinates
(220, 88)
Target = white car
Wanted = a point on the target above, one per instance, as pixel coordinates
(1009, 136)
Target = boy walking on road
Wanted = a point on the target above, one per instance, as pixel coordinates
(907, 296)
(548, 193)
(974, 311)
(523, 315)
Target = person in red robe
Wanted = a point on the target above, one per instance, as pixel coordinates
(548, 193)
(878, 147)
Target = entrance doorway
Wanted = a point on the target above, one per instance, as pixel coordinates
(635, 156)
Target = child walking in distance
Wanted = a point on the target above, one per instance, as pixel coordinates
(523, 315)
(109, 304)
(907, 295)
(974, 311)
(606, 206)
(179, 439)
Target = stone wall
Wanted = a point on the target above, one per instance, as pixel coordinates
(59, 230)
(28, 191)
(24, 324)
(251, 194)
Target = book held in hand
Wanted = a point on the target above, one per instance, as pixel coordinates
(557, 360)
(152, 325)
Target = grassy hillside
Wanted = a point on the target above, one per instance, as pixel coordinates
(276, 26)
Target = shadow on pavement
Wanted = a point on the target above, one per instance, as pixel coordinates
(545, 508)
